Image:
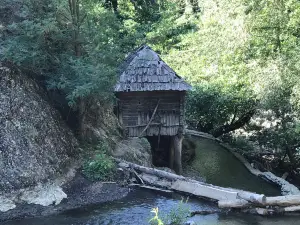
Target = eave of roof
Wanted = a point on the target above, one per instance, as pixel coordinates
(144, 70)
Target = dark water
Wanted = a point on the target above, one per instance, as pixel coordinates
(135, 210)
(212, 162)
(219, 167)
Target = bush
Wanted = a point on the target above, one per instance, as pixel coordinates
(242, 143)
(177, 216)
(100, 166)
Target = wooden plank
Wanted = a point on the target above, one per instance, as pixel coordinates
(203, 190)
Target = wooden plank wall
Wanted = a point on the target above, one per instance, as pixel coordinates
(136, 109)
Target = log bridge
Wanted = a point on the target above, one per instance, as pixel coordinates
(226, 198)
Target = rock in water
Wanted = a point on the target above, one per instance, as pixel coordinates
(35, 144)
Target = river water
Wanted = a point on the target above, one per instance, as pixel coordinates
(135, 210)
(213, 163)
(219, 167)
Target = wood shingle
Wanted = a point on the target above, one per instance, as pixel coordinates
(144, 70)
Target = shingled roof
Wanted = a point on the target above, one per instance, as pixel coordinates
(144, 70)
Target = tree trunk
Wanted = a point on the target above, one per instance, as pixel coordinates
(291, 156)
(244, 119)
(81, 119)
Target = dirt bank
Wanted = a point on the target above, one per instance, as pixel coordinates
(81, 192)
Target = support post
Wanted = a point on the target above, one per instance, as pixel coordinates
(171, 153)
(177, 141)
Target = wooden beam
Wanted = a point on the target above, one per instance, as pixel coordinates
(152, 117)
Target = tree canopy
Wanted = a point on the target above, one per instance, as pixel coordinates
(242, 56)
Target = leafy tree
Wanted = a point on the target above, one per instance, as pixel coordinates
(242, 57)
(72, 46)
(218, 111)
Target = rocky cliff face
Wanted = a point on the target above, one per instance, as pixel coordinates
(35, 144)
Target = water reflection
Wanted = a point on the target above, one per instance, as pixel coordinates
(135, 210)
(219, 167)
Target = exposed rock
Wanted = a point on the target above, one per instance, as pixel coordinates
(100, 123)
(6, 204)
(81, 192)
(35, 144)
(136, 150)
(44, 195)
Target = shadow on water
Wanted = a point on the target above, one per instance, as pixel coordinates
(135, 210)
(219, 167)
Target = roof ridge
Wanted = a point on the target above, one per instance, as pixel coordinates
(148, 72)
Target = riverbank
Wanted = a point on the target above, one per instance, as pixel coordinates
(286, 187)
(136, 207)
(81, 193)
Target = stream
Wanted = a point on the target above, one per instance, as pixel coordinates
(135, 210)
(219, 167)
(214, 164)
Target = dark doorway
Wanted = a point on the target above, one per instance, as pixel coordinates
(160, 147)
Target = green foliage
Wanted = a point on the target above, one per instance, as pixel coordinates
(177, 216)
(155, 220)
(238, 55)
(100, 166)
(76, 53)
(211, 106)
(241, 143)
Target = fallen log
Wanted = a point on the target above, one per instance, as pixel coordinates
(288, 200)
(137, 176)
(156, 172)
(154, 180)
(226, 197)
(272, 211)
(238, 203)
(201, 190)
(262, 211)
(252, 197)
(292, 209)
